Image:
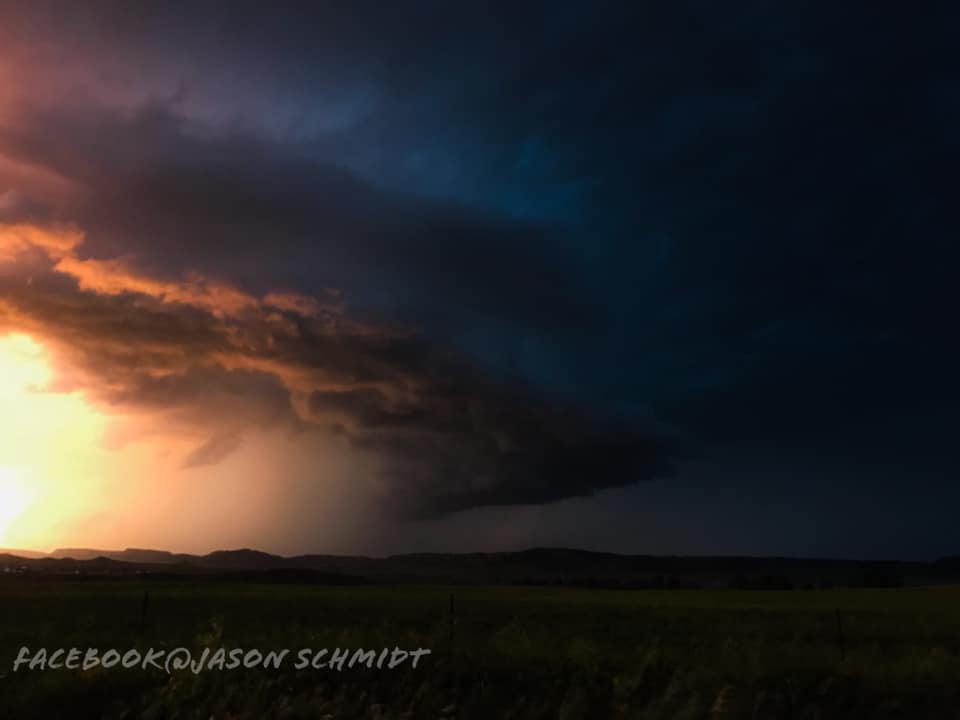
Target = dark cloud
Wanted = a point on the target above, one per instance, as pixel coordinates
(214, 359)
(173, 196)
(487, 446)
(213, 451)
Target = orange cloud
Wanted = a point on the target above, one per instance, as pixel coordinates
(57, 241)
(117, 276)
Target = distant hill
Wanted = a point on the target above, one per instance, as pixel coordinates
(243, 560)
(78, 553)
(130, 555)
(22, 553)
(537, 566)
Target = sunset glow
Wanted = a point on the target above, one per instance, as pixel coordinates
(49, 447)
(76, 474)
(15, 497)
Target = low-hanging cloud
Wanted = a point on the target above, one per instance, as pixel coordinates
(138, 329)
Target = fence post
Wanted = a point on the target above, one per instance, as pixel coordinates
(451, 619)
(840, 641)
(144, 608)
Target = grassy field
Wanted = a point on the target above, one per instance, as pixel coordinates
(501, 653)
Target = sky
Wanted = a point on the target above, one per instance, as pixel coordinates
(664, 278)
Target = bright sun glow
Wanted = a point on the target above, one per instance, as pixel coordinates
(23, 365)
(73, 475)
(15, 497)
(48, 447)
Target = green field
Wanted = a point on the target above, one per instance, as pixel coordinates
(502, 652)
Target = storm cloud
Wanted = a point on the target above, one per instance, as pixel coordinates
(132, 332)
(513, 254)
